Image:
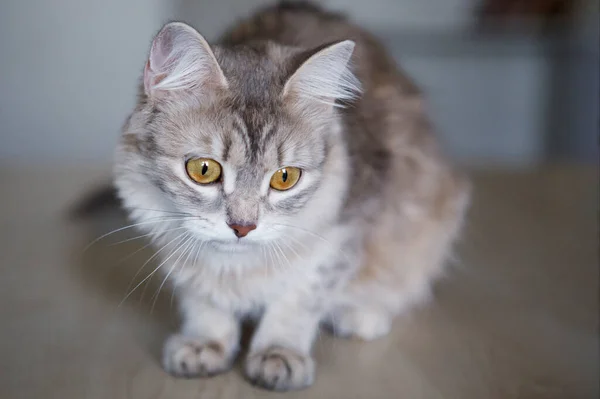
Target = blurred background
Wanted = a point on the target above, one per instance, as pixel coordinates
(509, 83)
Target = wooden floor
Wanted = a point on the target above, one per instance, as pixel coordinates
(517, 316)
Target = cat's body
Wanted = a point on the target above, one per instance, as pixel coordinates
(359, 238)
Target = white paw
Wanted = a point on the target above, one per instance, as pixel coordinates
(280, 369)
(361, 323)
(189, 357)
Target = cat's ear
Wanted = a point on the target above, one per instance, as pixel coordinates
(181, 59)
(325, 76)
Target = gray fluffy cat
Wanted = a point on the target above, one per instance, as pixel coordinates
(288, 175)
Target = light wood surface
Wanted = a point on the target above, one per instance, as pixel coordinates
(517, 316)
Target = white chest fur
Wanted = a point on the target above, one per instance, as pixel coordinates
(248, 282)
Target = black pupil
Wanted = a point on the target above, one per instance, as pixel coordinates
(284, 175)
(204, 168)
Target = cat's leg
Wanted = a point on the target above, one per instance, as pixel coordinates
(206, 344)
(280, 352)
(366, 308)
(396, 276)
(364, 321)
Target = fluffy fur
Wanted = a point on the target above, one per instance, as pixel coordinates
(358, 240)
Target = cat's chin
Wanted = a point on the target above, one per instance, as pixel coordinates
(239, 246)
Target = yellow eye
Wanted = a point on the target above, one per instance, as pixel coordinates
(203, 170)
(285, 178)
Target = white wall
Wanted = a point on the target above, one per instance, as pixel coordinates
(487, 98)
(67, 74)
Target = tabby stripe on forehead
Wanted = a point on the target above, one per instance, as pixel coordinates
(254, 135)
(269, 134)
(240, 128)
(226, 147)
(258, 127)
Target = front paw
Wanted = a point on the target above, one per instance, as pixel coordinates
(190, 357)
(364, 324)
(280, 369)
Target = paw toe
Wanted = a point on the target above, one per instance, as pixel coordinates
(363, 324)
(187, 357)
(280, 369)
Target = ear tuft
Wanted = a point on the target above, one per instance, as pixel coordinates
(326, 76)
(180, 59)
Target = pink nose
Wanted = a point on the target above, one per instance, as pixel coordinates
(242, 231)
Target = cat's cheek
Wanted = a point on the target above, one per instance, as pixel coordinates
(265, 232)
(216, 231)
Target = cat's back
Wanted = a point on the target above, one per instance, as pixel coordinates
(306, 25)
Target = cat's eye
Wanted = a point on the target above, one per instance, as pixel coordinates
(285, 178)
(203, 170)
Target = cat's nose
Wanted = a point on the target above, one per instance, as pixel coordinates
(242, 230)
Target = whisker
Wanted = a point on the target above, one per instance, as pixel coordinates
(153, 256)
(162, 219)
(332, 246)
(198, 249)
(151, 273)
(290, 265)
(297, 241)
(158, 210)
(157, 234)
(154, 297)
(277, 261)
(291, 248)
(189, 244)
(142, 296)
(264, 257)
(283, 255)
(120, 261)
(305, 231)
(270, 253)
(177, 213)
(280, 264)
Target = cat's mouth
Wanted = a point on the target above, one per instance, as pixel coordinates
(239, 245)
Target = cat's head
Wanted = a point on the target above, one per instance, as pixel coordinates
(236, 146)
